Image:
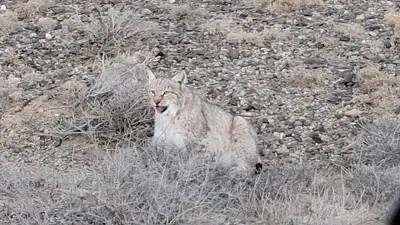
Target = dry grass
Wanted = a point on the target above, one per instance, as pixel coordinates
(378, 89)
(9, 22)
(185, 11)
(118, 30)
(235, 34)
(116, 105)
(392, 17)
(285, 5)
(352, 30)
(4, 96)
(307, 78)
(150, 186)
(32, 8)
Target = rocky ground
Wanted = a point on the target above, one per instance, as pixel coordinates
(302, 75)
(305, 73)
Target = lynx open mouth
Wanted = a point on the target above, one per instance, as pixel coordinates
(161, 109)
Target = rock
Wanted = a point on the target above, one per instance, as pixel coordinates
(233, 53)
(314, 61)
(316, 137)
(319, 45)
(353, 113)
(146, 12)
(360, 18)
(33, 35)
(332, 98)
(298, 123)
(15, 96)
(379, 58)
(387, 44)
(344, 38)
(397, 71)
(3, 8)
(283, 150)
(397, 110)
(47, 24)
(348, 78)
(48, 36)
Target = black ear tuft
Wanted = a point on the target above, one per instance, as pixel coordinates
(259, 167)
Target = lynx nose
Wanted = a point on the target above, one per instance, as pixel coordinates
(157, 99)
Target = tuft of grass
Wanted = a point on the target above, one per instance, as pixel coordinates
(9, 22)
(33, 8)
(116, 104)
(392, 17)
(380, 143)
(307, 78)
(118, 30)
(378, 89)
(352, 30)
(185, 11)
(285, 5)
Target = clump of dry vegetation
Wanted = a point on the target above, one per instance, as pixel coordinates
(9, 22)
(392, 17)
(285, 5)
(352, 30)
(31, 8)
(120, 30)
(116, 105)
(378, 89)
(185, 11)
(235, 34)
(155, 186)
(307, 78)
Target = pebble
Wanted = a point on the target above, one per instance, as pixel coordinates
(348, 78)
(3, 8)
(47, 24)
(48, 36)
(233, 53)
(33, 35)
(353, 113)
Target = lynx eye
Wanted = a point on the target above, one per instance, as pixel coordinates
(167, 93)
(152, 92)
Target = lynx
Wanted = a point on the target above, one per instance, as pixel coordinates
(183, 118)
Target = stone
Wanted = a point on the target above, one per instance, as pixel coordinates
(47, 24)
(353, 113)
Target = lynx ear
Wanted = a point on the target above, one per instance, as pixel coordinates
(150, 74)
(180, 78)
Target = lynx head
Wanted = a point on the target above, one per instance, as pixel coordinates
(166, 94)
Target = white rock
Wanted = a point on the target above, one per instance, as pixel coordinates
(353, 113)
(48, 36)
(48, 24)
(3, 8)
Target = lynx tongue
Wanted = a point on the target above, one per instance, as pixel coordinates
(161, 109)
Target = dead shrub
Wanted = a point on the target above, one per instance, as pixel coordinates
(392, 17)
(378, 89)
(120, 30)
(9, 22)
(116, 104)
(285, 5)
